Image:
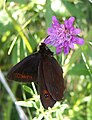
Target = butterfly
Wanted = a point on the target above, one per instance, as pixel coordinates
(41, 67)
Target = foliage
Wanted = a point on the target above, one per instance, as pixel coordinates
(23, 24)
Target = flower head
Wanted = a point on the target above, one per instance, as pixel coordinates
(63, 36)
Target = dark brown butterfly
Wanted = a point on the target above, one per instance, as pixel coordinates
(43, 68)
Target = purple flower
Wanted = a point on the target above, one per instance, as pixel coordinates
(63, 36)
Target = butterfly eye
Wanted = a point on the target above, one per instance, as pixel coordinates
(46, 48)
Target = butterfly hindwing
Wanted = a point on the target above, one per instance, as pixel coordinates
(53, 75)
(46, 98)
(26, 70)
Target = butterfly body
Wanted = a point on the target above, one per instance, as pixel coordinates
(43, 68)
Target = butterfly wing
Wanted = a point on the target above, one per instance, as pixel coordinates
(26, 70)
(46, 99)
(53, 75)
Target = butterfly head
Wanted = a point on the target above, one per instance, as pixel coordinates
(44, 50)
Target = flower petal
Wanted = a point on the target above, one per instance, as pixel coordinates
(71, 45)
(58, 50)
(71, 20)
(52, 40)
(55, 22)
(79, 40)
(76, 31)
(49, 31)
(54, 19)
(68, 23)
(66, 50)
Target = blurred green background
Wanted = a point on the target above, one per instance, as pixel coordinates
(23, 24)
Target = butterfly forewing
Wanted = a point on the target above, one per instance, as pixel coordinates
(46, 98)
(26, 70)
(53, 75)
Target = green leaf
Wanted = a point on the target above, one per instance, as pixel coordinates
(48, 14)
(28, 89)
(73, 9)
